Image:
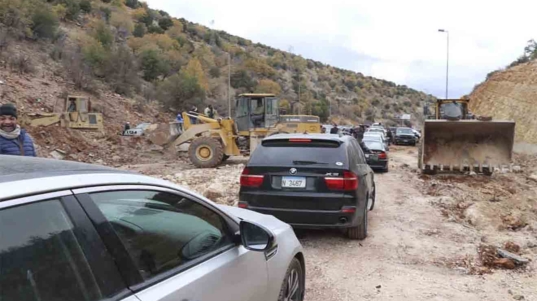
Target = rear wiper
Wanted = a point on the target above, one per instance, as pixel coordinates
(296, 162)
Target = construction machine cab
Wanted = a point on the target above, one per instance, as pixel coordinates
(451, 109)
(253, 111)
(77, 114)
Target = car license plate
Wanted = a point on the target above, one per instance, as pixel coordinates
(294, 182)
(405, 140)
(374, 157)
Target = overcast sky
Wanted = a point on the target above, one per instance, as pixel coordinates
(396, 40)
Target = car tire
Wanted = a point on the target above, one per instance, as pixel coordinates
(387, 168)
(359, 232)
(293, 276)
(206, 152)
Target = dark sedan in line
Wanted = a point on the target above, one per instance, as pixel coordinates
(310, 181)
(405, 136)
(377, 158)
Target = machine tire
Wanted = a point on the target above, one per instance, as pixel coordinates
(359, 232)
(205, 152)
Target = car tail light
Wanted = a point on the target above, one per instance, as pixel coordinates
(383, 155)
(249, 180)
(243, 205)
(348, 209)
(348, 182)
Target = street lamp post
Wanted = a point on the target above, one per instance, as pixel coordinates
(447, 61)
(229, 85)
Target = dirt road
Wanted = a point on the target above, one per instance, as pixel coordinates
(412, 252)
(424, 233)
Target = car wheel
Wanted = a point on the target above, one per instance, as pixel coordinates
(387, 168)
(293, 286)
(359, 232)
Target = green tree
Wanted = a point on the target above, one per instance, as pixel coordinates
(241, 79)
(165, 23)
(139, 30)
(181, 90)
(121, 71)
(214, 72)
(73, 9)
(152, 64)
(44, 23)
(85, 6)
(103, 34)
(268, 86)
(155, 29)
(132, 3)
(93, 53)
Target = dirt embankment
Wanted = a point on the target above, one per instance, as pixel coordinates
(46, 93)
(510, 95)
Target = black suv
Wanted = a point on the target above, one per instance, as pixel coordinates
(310, 181)
(405, 136)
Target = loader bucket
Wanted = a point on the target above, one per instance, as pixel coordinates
(467, 145)
(163, 133)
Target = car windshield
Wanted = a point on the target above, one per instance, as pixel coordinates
(291, 154)
(404, 131)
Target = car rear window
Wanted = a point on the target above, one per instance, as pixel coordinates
(285, 152)
(405, 131)
(373, 145)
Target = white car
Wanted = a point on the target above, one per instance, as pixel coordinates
(73, 231)
(376, 137)
(138, 130)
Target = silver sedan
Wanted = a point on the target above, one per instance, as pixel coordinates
(74, 231)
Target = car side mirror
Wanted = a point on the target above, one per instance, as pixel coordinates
(255, 237)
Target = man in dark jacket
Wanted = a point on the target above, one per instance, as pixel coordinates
(334, 129)
(13, 139)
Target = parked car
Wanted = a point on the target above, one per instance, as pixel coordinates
(385, 139)
(138, 130)
(377, 158)
(310, 181)
(73, 231)
(405, 136)
(417, 134)
(376, 138)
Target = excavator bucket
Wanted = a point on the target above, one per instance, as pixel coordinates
(465, 145)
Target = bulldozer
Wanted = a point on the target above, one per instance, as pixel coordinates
(454, 140)
(76, 115)
(214, 140)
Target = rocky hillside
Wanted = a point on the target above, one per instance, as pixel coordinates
(125, 47)
(510, 94)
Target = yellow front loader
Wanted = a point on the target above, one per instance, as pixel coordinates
(214, 140)
(453, 140)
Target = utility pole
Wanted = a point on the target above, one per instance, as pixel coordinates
(447, 60)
